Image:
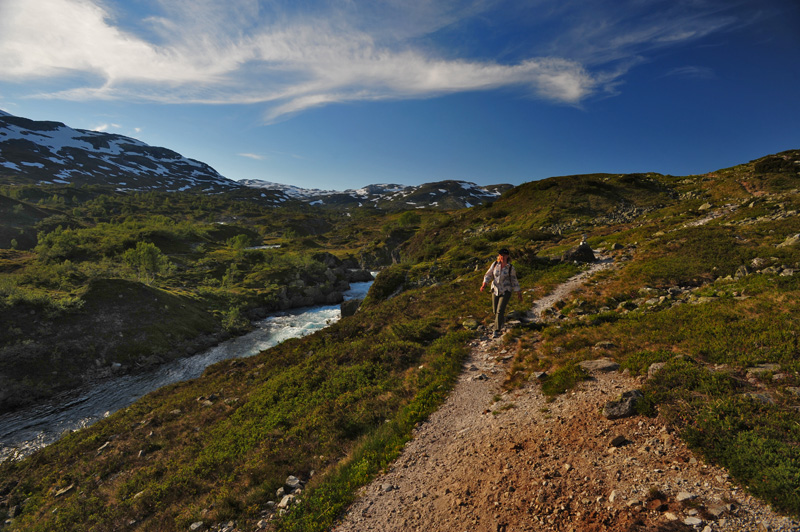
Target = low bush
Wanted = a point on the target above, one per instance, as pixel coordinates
(563, 379)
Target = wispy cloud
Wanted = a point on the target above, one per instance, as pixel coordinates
(255, 156)
(691, 71)
(245, 51)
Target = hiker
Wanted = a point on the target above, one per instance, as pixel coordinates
(504, 280)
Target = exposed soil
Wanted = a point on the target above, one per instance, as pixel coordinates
(502, 462)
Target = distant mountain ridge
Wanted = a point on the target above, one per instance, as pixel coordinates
(45, 152)
(449, 194)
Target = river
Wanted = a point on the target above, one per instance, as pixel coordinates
(29, 429)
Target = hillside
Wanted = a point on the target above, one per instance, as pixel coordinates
(520, 459)
(700, 310)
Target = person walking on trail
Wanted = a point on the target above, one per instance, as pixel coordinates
(503, 281)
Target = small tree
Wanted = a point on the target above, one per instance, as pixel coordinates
(239, 242)
(409, 219)
(148, 261)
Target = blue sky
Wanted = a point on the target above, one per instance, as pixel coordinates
(339, 94)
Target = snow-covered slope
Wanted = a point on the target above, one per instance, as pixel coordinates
(51, 152)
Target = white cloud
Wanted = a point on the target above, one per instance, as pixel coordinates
(106, 127)
(245, 51)
(252, 156)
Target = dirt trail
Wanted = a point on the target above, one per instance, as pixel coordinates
(502, 462)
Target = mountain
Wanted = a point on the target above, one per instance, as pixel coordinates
(43, 152)
(439, 195)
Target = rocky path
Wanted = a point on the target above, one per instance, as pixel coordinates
(502, 462)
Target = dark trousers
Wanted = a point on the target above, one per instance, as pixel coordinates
(499, 304)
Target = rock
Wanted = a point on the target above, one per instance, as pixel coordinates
(671, 516)
(334, 297)
(292, 483)
(759, 369)
(693, 521)
(386, 487)
(791, 240)
(625, 406)
(619, 441)
(66, 490)
(583, 253)
(762, 398)
(742, 271)
(349, 308)
(605, 345)
(470, 323)
(794, 391)
(716, 510)
(359, 276)
(705, 207)
(197, 525)
(286, 502)
(685, 496)
(601, 364)
(654, 368)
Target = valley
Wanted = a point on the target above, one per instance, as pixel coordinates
(700, 312)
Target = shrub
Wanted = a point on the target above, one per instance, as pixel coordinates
(387, 283)
(563, 379)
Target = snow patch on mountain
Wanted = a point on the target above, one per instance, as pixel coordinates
(51, 152)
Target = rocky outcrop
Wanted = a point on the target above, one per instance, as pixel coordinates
(582, 253)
